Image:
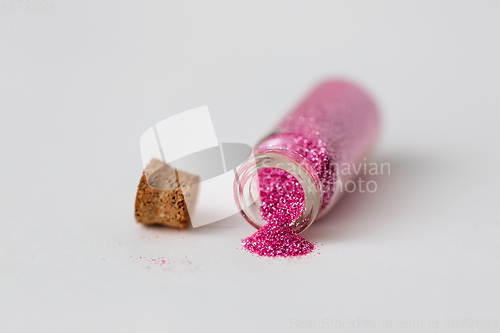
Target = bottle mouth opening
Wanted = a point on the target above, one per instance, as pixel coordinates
(247, 190)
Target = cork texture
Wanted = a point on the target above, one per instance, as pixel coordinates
(163, 195)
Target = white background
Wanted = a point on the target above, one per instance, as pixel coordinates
(81, 82)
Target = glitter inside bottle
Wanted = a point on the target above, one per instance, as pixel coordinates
(336, 123)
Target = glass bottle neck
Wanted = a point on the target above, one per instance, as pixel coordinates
(247, 189)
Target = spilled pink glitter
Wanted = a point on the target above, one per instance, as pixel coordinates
(282, 202)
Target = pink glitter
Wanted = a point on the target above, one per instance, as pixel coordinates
(282, 202)
(164, 263)
(337, 123)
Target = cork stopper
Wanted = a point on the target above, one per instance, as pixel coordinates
(163, 195)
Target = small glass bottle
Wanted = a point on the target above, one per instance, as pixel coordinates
(336, 123)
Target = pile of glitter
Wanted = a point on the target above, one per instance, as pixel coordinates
(282, 202)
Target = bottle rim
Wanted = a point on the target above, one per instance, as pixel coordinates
(247, 192)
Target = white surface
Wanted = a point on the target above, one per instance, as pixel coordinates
(79, 84)
(186, 133)
(215, 201)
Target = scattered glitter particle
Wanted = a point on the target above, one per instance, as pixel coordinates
(166, 264)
